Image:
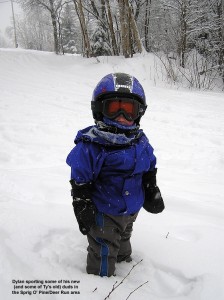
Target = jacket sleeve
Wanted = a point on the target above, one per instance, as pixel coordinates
(85, 160)
(152, 161)
(152, 157)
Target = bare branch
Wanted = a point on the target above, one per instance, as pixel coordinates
(137, 289)
(116, 286)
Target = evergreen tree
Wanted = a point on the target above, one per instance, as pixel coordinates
(99, 42)
(69, 34)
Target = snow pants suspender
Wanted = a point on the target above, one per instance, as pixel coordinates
(109, 241)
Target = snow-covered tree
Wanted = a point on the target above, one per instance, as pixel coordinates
(70, 33)
(99, 41)
(34, 30)
(176, 28)
(52, 7)
(3, 42)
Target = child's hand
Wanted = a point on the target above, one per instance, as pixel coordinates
(85, 211)
(153, 200)
(84, 208)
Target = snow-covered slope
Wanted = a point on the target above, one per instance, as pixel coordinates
(44, 100)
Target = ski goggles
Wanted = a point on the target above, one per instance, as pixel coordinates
(130, 108)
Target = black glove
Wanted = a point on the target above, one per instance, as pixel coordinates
(153, 199)
(84, 208)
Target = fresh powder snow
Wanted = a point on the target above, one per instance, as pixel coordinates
(177, 255)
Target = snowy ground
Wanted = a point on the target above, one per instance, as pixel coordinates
(44, 100)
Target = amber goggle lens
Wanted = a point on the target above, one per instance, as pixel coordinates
(128, 107)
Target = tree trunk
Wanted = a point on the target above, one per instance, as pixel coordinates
(124, 20)
(54, 24)
(220, 11)
(146, 26)
(129, 30)
(134, 29)
(183, 38)
(111, 28)
(80, 13)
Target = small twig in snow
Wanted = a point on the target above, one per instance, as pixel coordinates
(113, 288)
(167, 235)
(116, 286)
(94, 290)
(136, 289)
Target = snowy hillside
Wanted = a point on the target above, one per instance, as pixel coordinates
(44, 100)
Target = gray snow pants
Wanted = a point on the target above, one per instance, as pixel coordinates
(109, 242)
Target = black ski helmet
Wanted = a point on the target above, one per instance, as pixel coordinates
(117, 85)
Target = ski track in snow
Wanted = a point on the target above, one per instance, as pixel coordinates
(44, 100)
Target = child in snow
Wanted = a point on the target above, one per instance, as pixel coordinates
(113, 173)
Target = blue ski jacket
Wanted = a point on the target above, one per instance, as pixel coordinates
(114, 164)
